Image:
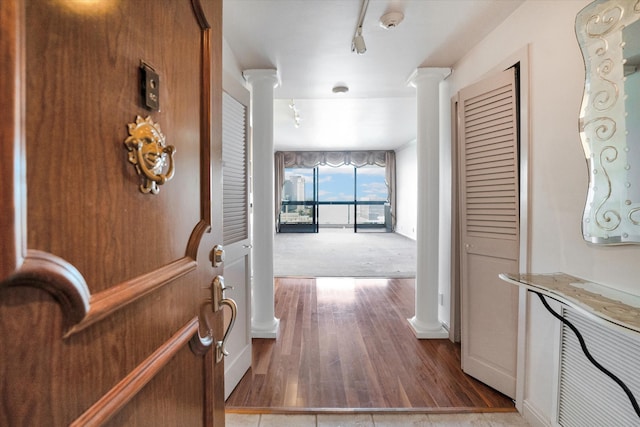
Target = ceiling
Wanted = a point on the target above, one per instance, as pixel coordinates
(309, 43)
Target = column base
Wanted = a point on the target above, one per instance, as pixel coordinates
(265, 330)
(425, 331)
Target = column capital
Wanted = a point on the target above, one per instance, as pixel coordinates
(428, 74)
(258, 75)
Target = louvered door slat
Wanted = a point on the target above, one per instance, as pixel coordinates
(234, 158)
(492, 137)
(490, 161)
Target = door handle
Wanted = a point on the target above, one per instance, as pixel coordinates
(219, 301)
(200, 344)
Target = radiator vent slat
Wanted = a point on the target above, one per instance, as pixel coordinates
(587, 397)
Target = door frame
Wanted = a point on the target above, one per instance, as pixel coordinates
(520, 57)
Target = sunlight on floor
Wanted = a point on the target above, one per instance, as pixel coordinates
(343, 289)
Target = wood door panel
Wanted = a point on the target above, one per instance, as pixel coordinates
(127, 271)
(33, 330)
(96, 187)
(486, 347)
(176, 403)
(72, 374)
(158, 379)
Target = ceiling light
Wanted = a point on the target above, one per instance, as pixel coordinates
(357, 42)
(391, 19)
(358, 45)
(340, 89)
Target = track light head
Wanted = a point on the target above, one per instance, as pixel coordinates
(357, 45)
(357, 42)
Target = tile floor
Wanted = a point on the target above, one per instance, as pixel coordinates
(377, 420)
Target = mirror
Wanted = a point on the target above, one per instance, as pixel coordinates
(608, 33)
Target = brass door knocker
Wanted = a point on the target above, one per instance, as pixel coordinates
(149, 154)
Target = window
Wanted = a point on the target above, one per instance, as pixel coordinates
(338, 197)
(372, 196)
(298, 211)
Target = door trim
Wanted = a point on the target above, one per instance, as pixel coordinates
(12, 138)
(120, 395)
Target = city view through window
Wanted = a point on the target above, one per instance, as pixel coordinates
(341, 197)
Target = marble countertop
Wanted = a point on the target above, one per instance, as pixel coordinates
(595, 300)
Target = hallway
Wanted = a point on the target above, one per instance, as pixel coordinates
(345, 344)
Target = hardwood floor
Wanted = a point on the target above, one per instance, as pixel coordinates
(345, 344)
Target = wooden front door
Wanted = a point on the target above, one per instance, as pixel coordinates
(490, 233)
(106, 245)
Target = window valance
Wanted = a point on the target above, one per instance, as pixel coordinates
(310, 159)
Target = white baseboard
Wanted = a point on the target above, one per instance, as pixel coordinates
(534, 416)
(411, 236)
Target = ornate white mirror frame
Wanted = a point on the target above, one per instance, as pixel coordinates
(608, 33)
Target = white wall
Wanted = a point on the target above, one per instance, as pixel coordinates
(230, 64)
(558, 171)
(406, 190)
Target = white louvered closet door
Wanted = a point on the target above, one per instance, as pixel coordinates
(236, 236)
(489, 212)
(234, 160)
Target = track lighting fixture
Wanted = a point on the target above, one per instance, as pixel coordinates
(357, 43)
(296, 114)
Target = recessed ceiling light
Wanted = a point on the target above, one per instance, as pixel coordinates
(340, 89)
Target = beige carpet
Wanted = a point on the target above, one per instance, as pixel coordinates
(343, 253)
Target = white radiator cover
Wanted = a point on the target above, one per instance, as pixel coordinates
(587, 397)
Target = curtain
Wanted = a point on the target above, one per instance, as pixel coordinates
(279, 182)
(311, 159)
(390, 180)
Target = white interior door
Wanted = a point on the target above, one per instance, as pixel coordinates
(236, 236)
(489, 220)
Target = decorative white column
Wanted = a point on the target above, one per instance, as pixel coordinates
(263, 321)
(425, 323)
